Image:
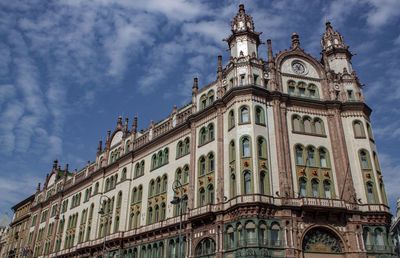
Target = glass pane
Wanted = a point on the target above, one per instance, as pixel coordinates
(245, 115)
(315, 191)
(246, 147)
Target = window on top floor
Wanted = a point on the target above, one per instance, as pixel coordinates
(259, 115)
(244, 115)
(242, 79)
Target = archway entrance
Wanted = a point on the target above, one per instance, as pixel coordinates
(320, 242)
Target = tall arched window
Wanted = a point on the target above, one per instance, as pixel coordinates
(150, 216)
(203, 102)
(206, 248)
(211, 194)
(311, 156)
(247, 182)
(164, 183)
(245, 147)
(232, 151)
(211, 162)
(244, 115)
(364, 160)
(151, 188)
(296, 123)
(379, 239)
(261, 147)
(186, 174)
(203, 136)
(231, 119)
(119, 199)
(158, 185)
(307, 124)
(327, 189)
(302, 187)
(142, 167)
(202, 197)
(358, 129)
(233, 185)
(315, 187)
(319, 126)
(163, 211)
(323, 158)
(370, 135)
(259, 115)
(377, 166)
(291, 87)
(179, 149)
(156, 213)
(187, 145)
(275, 234)
(210, 132)
(299, 155)
(263, 182)
(370, 192)
(202, 165)
(210, 97)
(140, 193)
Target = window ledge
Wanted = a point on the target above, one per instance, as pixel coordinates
(178, 157)
(230, 128)
(246, 123)
(207, 142)
(310, 134)
(260, 124)
(159, 166)
(360, 137)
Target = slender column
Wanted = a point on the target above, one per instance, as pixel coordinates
(192, 177)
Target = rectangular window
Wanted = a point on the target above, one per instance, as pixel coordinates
(54, 210)
(231, 83)
(44, 216)
(302, 92)
(30, 238)
(312, 93)
(34, 220)
(255, 78)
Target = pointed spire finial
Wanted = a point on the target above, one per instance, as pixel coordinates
(295, 40)
(270, 54)
(108, 135)
(134, 125)
(241, 8)
(55, 164)
(99, 148)
(195, 85)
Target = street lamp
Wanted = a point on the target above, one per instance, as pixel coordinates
(101, 212)
(177, 188)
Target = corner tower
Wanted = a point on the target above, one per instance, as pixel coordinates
(244, 40)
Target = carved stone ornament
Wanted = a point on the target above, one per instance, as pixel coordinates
(320, 240)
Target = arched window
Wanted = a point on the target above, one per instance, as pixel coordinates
(311, 156)
(251, 233)
(364, 160)
(370, 135)
(245, 147)
(210, 97)
(179, 149)
(259, 113)
(263, 182)
(154, 161)
(379, 239)
(137, 219)
(179, 174)
(319, 126)
(163, 211)
(156, 213)
(307, 124)
(231, 119)
(296, 123)
(211, 132)
(107, 184)
(302, 90)
(302, 187)
(134, 195)
(137, 169)
(232, 151)
(211, 194)
(291, 87)
(140, 193)
(211, 162)
(116, 224)
(312, 91)
(203, 102)
(247, 182)
(230, 232)
(165, 156)
(142, 167)
(370, 192)
(185, 204)
(358, 129)
(119, 199)
(158, 186)
(150, 216)
(187, 145)
(123, 177)
(151, 188)
(206, 248)
(202, 197)
(164, 183)
(202, 165)
(327, 189)
(367, 239)
(275, 234)
(186, 174)
(315, 187)
(323, 158)
(261, 147)
(377, 166)
(299, 155)
(96, 188)
(127, 145)
(203, 136)
(233, 185)
(244, 115)
(160, 158)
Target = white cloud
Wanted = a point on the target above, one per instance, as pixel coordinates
(382, 12)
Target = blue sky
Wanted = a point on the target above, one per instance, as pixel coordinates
(69, 68)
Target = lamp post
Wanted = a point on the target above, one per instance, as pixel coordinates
(101, 212)
(177, 188)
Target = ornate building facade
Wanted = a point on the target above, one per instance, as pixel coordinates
(19, 228)
(275, 158)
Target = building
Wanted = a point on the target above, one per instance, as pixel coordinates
(3, 240)
(395, 229)
(19, 228)
(275, 158)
